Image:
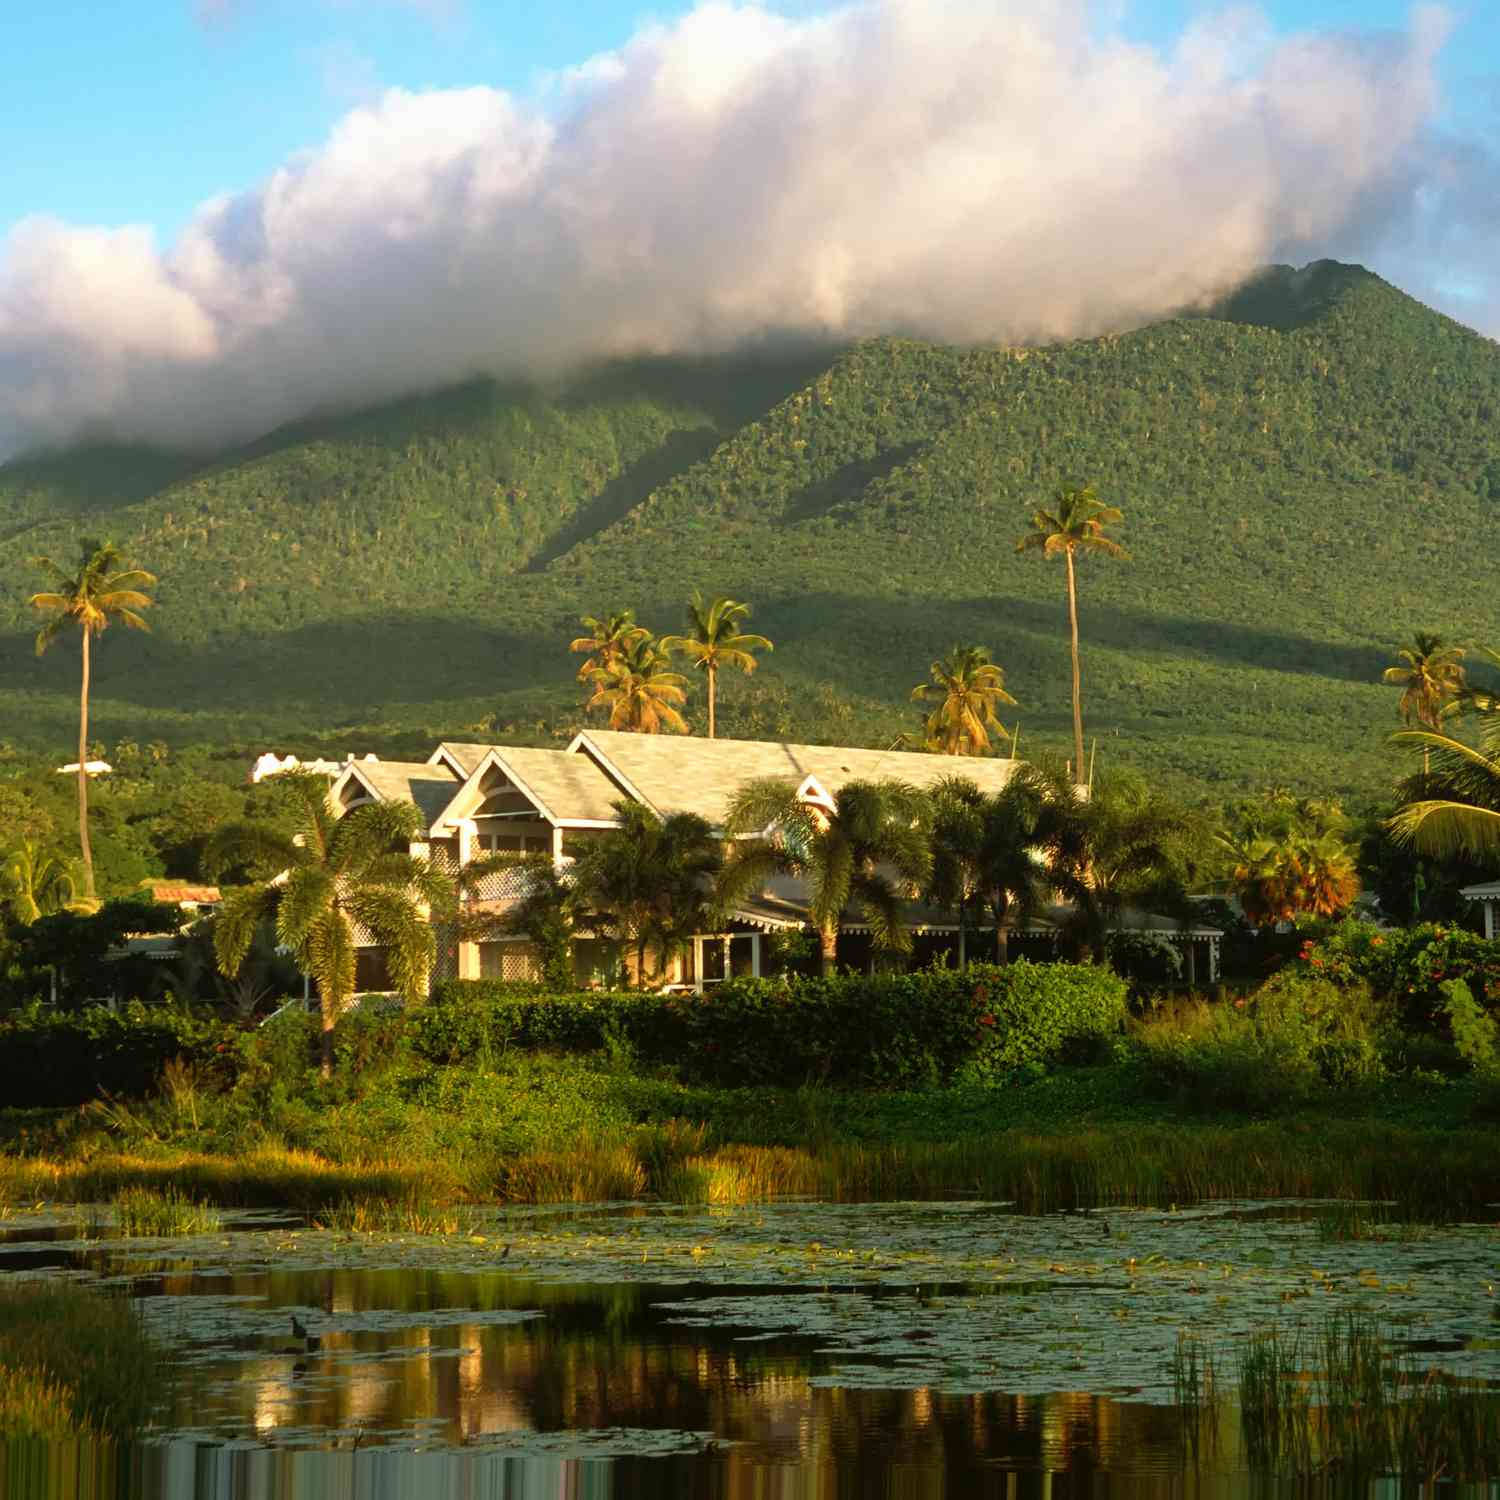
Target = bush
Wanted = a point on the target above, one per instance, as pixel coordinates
(54, 1058)
(887, 1031)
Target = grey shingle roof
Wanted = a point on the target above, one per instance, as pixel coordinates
(430, 787)
(466, 755)
(686, 774)
(571, 787)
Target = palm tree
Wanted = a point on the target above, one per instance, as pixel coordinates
(1076, 525)
(714, 640)
(34, 884)
(1289, 856)
(1430, 676)
(870, 847)
(1455, 806)
(610, 637)
(994, 848)
(966, 685)
(99, 593)
(324, 884)
(648, 880)
(640, 689)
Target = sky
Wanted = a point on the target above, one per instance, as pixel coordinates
(159, 150)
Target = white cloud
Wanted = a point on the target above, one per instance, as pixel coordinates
(972, 171)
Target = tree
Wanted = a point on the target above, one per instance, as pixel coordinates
(1290, 856)
(715, 641)
(648, 880)
(1430, 676)
(324, 884)
(870, 848)
(99, 593)
(1075, 526)
(34, 884)
(965, 688)
(611, 637)
(543, 912)
(1454, 806)
(992, 848)
(640, 690)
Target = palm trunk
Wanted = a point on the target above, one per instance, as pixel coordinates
(1002, 928)
(329, 1018)
(83, 776)
(963, 935)
(712, 674)
(1078, 779)
(829, 938)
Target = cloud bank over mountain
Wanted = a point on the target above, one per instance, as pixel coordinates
(979, 170)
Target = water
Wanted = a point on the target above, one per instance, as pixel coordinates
(901, 1350)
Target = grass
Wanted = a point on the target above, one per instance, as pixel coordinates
(75, 1362)
(144, 1211)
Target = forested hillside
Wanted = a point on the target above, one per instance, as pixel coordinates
(1308, 476)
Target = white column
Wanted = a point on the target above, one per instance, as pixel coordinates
(698, 965)
(557, 853)
(755, 955)
(465, 842)
(1213, 960)
(1489, 920)
(726, 978)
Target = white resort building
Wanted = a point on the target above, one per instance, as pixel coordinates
(478, 800)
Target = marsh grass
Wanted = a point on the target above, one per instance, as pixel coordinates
(75, 1361)
(392, 1216)
(1335, 1400)
(1344, 1221)
(145, 1211)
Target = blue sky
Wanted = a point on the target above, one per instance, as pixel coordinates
(134, 111)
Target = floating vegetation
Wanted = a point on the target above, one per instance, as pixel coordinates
(144, 1211)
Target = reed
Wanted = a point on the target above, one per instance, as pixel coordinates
(75, 1361)
(392, 1216)
(144, 1211)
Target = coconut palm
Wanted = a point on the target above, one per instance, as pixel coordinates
(870, 847)
(1076, 525)
(640, 689)
(715, 640)
(648, 880)
(1453, 807)
(610, 637)
(100, 593)
(993, 849)
(1430, 676)
(331, 880)
(34, 884)
(965, 688)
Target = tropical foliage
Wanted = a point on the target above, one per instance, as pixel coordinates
(1454, 806)
(965, 688)
(99, 594)
(1287, 856)
(34, 883)
(332, 881)
(715, 641)
(639, 690)
(867, 850)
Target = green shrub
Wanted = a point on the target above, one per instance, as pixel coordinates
(885, 1031)
(1476, 1037)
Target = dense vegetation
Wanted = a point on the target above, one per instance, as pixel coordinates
(1307, 477)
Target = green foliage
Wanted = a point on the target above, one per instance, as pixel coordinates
(1319, 444)
(1475, 1035)
(57, 1058)
(882, 1031)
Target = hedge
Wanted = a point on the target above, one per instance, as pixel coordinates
(50, 1057)
(890, 1031)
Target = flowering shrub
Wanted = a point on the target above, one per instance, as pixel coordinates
(1409, 965)
(891, 1030)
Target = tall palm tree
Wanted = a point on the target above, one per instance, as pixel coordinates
(34, 883)
(1076, 525)
(1430, 676)
(640, 690)
(325, 883)
(871, 848)
(996, 849)
(649, 881)
(610, 637)
(1455, 806)
(99, 593)
(715, 640)
(965, 688)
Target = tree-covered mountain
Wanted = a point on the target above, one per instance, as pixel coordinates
(1309, 473)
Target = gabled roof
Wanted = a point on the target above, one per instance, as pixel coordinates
(463, 758)
(686, 774)
(1489, 891)
(566, 790)
(430, 787)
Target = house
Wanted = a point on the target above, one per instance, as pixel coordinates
(477, 800)
(1488, 897)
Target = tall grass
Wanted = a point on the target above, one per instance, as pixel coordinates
(144, 1211)
(75, 1361)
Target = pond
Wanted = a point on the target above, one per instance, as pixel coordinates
(787, 1350)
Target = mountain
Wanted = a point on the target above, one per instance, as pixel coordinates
(1310, 472)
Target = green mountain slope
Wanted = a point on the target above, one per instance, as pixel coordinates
(1309, 475)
